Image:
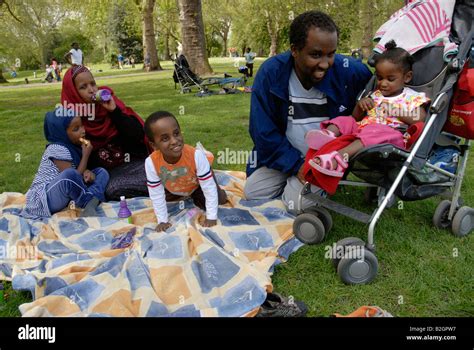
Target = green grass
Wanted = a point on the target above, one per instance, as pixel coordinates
(418, 275)
(105, 70)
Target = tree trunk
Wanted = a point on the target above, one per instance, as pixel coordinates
(367, 23)
(2, 78)
(194, 41)
(273, 32)
(273, 45)
(149, 43)
(225, 39)
(167, 46)
(243, 48)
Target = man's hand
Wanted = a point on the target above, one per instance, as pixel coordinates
(162, 226)
(88, 176)
(366, 104)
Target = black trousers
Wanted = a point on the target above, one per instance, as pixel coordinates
(129, 180)
(250, 67)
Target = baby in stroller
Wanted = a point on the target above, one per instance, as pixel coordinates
(383, 117)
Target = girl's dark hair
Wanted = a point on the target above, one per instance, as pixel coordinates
(397, 56)
(305, 21)
(152, 118)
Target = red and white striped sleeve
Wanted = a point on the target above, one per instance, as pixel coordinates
(157, 192)
(207, 183)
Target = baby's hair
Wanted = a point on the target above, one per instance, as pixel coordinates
(154, 117)
(397, 56)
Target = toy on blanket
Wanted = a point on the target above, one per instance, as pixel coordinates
(124, 240)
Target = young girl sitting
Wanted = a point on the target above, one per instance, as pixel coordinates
(376, 118)
(62, 174)
(175, 168)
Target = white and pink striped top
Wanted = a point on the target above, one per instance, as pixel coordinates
(419, 24)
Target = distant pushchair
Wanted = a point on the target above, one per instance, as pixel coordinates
(390, 172)
(188, 80)
(49, 75)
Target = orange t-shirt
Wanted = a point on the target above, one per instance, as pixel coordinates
(179, 178)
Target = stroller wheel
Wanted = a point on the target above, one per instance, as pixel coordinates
(463, 221)
(440, 216)
(356, 269)
(340, 248)
(322, 215)
(309, 229)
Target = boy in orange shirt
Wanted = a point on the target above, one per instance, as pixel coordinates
(175, 168)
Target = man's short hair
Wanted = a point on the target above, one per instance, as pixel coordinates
(304, 22)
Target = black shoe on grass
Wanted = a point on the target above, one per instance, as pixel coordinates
(276, 305)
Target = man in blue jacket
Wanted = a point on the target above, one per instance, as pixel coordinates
(292, 93)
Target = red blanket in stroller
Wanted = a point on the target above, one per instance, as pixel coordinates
(330, 183)
(314, 177)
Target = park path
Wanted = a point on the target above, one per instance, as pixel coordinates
(22, 86)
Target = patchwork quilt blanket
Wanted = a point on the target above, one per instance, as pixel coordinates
(104, 266)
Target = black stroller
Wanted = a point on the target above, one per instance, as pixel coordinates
(389, 171)
(187, 79)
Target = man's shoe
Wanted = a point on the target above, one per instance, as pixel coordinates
(276, 305)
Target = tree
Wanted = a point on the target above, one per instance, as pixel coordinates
(249, 29)
(4, 4)
(274, 16)
(167, 28)
(367, 23)
(94, 15)
(124, 29)
(40, 20)
(219, 21)
(193, 38)
(149, 42)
